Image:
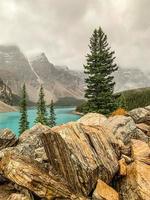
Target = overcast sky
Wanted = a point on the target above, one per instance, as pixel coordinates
(61, 28)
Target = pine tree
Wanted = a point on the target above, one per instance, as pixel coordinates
(23, 122)
(99, 68)
(41, 109)
(52, 118)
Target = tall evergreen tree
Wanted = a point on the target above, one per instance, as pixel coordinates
(99, 68)
(52, 117)
(23, 122)
(41, 109)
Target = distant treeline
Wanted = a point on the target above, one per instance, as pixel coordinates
(135, 98)
(69, 101)
(129, 99)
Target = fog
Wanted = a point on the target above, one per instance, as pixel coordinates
(61, 28)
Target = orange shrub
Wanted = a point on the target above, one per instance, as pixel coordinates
(119, 111)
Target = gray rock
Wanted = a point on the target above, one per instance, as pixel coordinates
(124, 128)
(140, 115)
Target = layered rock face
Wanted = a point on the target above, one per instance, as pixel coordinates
(5, 93)
(95, 158)
(76, 155)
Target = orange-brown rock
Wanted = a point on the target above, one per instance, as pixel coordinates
(92, 119)
(81, 154)
(122, 167)
(29, 174)
(104, 192)
(136, 184)
(16, 196)
(140, 151)
(7, 139)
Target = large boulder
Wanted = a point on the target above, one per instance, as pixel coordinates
(7, 139)
(28, 174)
(92, 119)
(29, 144)
(140, 115)
(81, 154)
(124, 128)
(104, 192)
(136, 185)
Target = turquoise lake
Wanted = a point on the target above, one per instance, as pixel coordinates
(10, 120)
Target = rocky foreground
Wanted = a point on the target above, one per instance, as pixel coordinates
(94, 158)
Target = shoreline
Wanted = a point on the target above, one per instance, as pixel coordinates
(4, 108)
(77, 113)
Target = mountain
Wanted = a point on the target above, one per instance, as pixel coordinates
(59, 81)
(127, 78)
(15, 69)
(5, 93)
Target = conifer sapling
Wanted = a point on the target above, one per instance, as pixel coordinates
(52, 117)
(23, 122)
(41, 109)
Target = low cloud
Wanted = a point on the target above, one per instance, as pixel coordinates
(62, 28)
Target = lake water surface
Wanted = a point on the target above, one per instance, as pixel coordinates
(10, 120)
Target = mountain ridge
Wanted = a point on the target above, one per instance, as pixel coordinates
(35, 72)
(58, 81)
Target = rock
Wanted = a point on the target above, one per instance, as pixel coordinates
(144, 128)
(92, 119)
(40, 155)
(122, 167)
(7, 139)
(122, 127)
(140, 135)
(30, 141)
(136, 184)
(140, 115)
(28, 174)
(140, 151)
(81, 154)
(16, 196)
(128, 160)
(5, 191)
(104, 192)
(30, 144)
